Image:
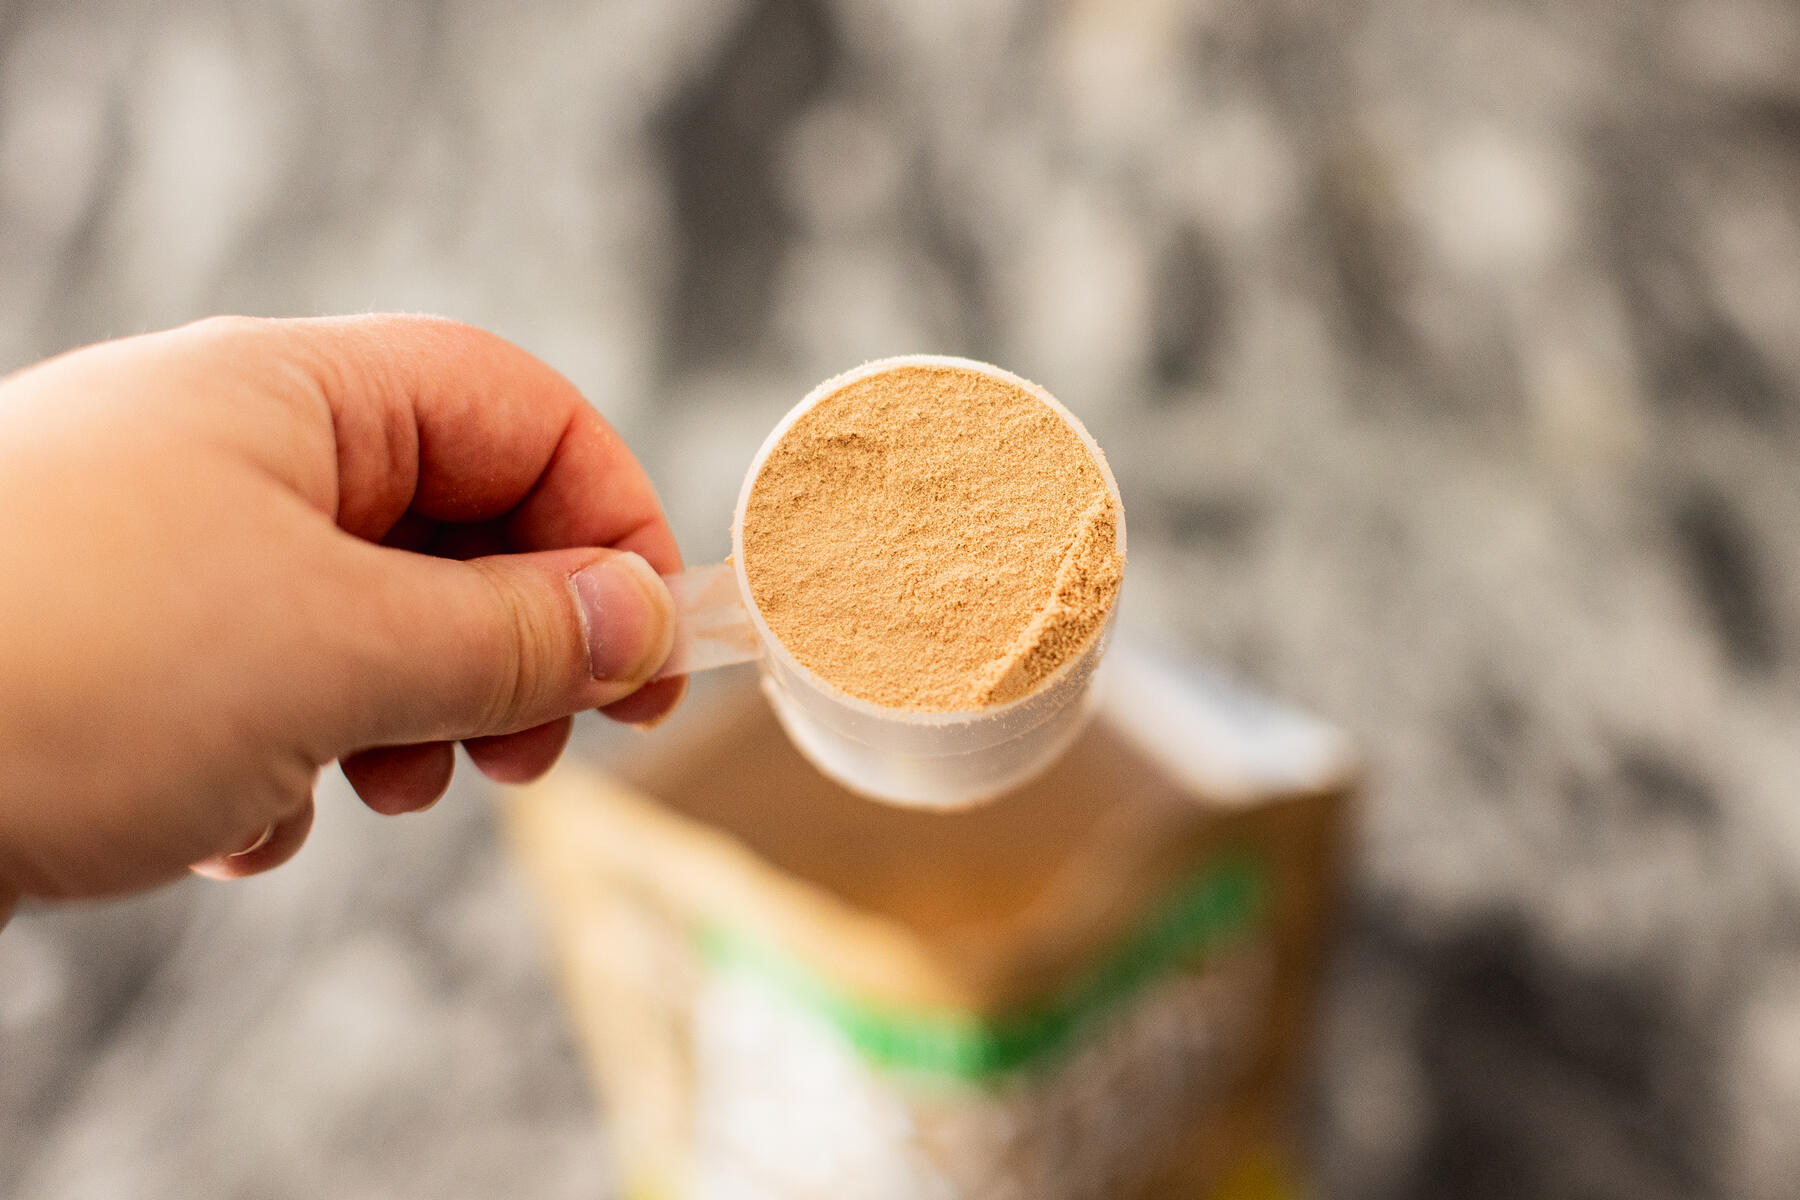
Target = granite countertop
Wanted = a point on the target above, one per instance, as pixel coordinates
(1446, 354)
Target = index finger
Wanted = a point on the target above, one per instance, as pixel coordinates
(450, 423)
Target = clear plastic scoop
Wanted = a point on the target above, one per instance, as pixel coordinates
(924, 759)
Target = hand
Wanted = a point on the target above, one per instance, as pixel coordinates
(237, 551)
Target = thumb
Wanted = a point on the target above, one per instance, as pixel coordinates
(495, 645)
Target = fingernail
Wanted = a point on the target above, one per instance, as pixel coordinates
(261, 841)
(626, 614)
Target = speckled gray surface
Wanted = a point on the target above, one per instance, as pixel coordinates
(1446, 354)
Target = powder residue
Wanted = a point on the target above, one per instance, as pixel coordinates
(932, 538)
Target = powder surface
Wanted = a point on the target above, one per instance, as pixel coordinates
(932, 538)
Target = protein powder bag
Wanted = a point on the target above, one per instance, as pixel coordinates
(1098, 986)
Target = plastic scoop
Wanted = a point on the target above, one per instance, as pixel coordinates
(924, 759)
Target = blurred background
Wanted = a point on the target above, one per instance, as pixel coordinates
(1446, 353)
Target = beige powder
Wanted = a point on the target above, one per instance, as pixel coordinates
(932, 538)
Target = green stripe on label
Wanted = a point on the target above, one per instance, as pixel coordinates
(1219, 907)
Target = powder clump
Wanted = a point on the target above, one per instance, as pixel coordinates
(932, 538)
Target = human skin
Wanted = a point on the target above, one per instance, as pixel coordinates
(236, 552)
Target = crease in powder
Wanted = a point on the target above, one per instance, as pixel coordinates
(1087, 581)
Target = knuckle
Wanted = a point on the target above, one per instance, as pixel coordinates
(516, 686)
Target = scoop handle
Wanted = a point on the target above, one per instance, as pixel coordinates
(712, 628)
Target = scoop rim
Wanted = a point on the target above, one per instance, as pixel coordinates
(772, 644)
